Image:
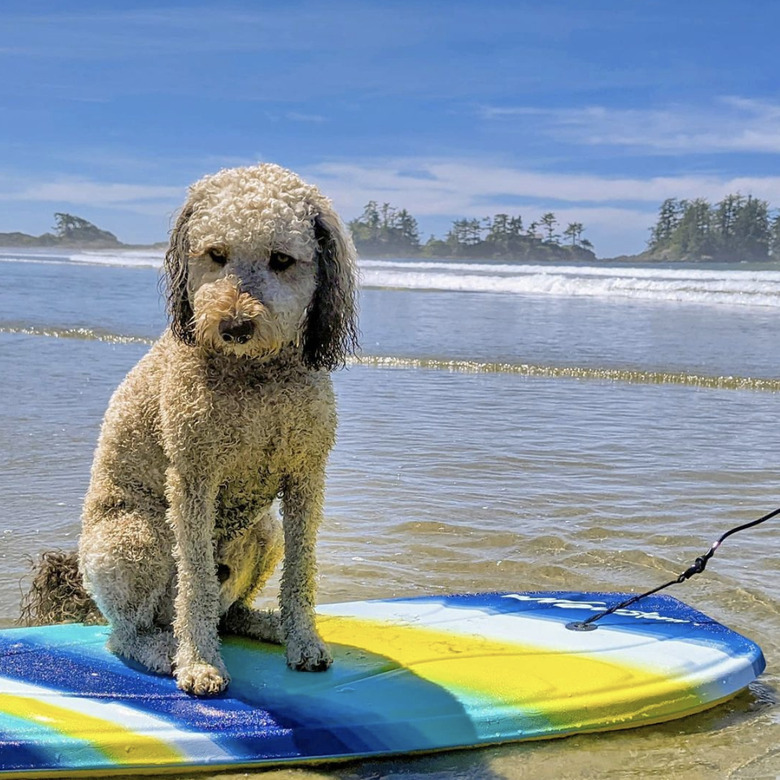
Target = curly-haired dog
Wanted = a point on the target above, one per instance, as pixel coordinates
(232, 408)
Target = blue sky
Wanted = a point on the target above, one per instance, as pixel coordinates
(595, 110)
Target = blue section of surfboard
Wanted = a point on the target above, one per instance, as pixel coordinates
(409, 675)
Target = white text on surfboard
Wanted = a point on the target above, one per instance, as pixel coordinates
(590, 606)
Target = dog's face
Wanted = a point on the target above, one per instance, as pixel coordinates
(259, 261)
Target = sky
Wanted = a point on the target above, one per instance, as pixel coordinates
(595, 110)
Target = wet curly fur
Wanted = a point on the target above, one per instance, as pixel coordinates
(57, 593)
(231, 409)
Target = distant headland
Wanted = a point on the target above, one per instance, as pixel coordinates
(71, 232)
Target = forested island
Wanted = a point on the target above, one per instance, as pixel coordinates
(385, 231)
(737, 228)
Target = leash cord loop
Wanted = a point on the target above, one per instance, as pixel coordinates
(697, 567)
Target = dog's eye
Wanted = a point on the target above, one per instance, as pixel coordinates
(218, 256)
(280, 261)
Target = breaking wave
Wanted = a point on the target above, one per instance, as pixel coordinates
(713, 285)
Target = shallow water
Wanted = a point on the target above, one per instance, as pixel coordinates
(488, 441)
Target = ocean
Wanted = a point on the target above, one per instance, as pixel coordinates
(505, 427)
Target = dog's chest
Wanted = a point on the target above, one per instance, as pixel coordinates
(265, 422)
(253, 473)
(268, 431)
(240, 505)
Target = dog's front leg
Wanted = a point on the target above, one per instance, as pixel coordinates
(302, 512)
(199, 668)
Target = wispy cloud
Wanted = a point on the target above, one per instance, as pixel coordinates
(466, 187)
(730, 124)
(296, 116)
(83, 192)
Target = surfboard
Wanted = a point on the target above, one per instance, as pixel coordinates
(409, 675)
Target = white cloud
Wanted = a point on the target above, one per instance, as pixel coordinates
(731, 124)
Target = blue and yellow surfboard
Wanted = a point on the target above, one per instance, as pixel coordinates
(409, 675)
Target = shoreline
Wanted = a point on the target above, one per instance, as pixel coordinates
(641, 258)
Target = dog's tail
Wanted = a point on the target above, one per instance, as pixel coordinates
(57, 593)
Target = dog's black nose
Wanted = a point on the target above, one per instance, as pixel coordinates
(238, 332)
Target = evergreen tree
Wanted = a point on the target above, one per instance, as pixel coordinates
(407, 230)
(573, 232)
(549, 222)
(669, 215)
(692, 234)
(464, 236)
(774, 238)
(751, 230)
(504, 235)
(725, 218)
(365, 229)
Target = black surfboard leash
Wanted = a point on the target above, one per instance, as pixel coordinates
(697, 567)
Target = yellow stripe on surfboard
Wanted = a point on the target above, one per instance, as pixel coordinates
(119, 744)
(566, 688)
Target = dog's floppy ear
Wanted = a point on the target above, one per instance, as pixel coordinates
(330, 330)
(175, 267)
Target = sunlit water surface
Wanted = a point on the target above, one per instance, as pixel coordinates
(506, 427)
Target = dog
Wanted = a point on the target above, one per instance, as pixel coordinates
(232, 408)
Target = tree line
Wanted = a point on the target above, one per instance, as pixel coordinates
(736, 228)
(386, 231)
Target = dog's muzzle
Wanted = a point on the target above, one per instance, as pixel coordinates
(234, 332)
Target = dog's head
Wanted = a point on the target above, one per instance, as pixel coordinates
(258, 261)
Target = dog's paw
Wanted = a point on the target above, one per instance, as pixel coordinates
(202, 679)
(308, 655)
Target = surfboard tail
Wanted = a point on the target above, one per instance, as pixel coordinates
(57, 593)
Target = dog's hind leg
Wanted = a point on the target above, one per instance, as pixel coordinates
(126, 562)
(263, 625)
(244, 565)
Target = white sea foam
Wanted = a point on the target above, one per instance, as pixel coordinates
(698, 285)
(132, 257)
(139, 258)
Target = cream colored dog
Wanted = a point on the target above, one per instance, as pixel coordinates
(232, 408)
